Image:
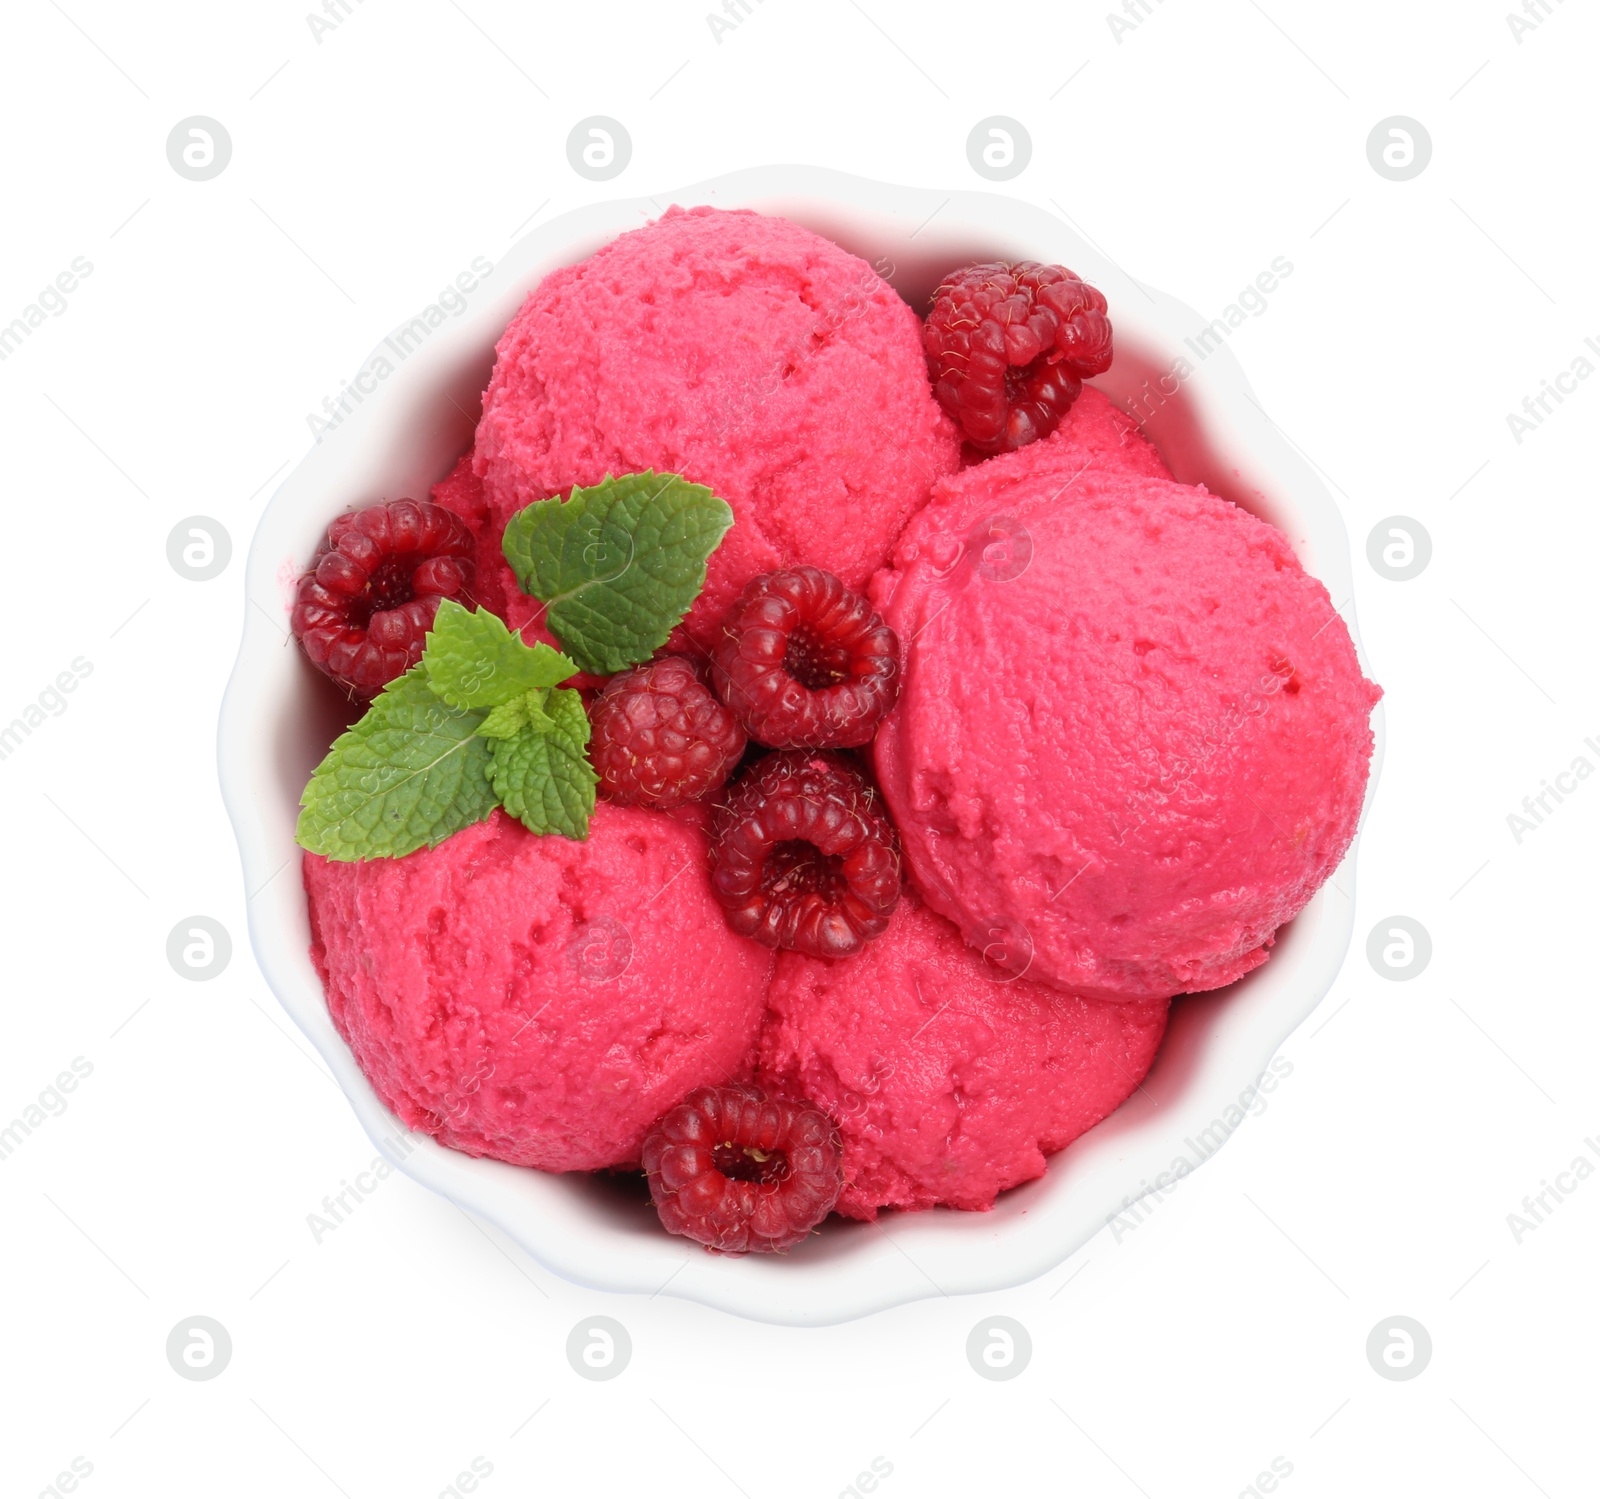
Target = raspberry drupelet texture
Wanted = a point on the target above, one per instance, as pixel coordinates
(1009, 346)
(661, 738)
(362, 609)
(737, 1170)
(804, 856)
(806, 663)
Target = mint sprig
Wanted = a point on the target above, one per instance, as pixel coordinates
(618, 564)
(477, 723)
(513, 717)
(543, 776)
(481, 721)
(413, 771)
(474, 661)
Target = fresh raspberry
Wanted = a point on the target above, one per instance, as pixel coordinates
(660, 737)
(1009, 347)
(369, 598)
(806, 663)
(736, 1170)
(804, 857)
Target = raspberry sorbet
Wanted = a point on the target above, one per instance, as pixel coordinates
(948, 1083)
(743, 352)
(536, 999)
(1132, 732)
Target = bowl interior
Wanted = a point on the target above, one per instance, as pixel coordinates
(407, 431)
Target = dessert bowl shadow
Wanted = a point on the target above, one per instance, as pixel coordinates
(410, 412)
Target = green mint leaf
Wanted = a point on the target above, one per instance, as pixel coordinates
(537, 705)
(474, 661)
(506, 720)
(544, 779)
(511, 718)
(412, 772)
(619, 564)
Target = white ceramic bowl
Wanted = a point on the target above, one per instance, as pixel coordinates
(405, 435)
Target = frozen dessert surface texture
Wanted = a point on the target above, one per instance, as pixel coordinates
(1094, 433)
(461, 492)
(1132, 729)
(948, 1081)
(743, 352)
(535, 999)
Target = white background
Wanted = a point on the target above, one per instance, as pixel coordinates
(1176, 1359)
